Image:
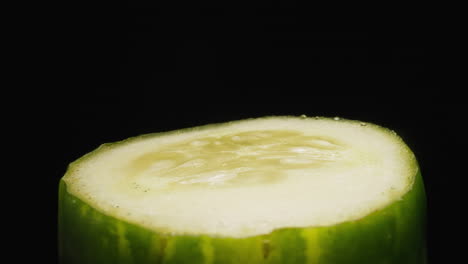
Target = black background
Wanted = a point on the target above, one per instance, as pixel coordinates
(140, 71)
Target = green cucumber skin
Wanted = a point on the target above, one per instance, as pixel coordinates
(395, 234)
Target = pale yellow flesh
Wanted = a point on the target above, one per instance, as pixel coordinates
(248, 177)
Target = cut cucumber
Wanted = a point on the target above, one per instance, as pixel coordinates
(267, 190)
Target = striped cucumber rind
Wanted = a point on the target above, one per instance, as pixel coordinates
(395, 234)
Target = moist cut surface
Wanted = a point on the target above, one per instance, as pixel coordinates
(247, 177)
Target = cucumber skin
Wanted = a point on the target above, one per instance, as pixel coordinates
(394, 234)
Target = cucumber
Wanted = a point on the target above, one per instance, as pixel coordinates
(276, 189)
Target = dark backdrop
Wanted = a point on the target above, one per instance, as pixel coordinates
(144, 71)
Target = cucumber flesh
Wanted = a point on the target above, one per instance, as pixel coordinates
(246, 178)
